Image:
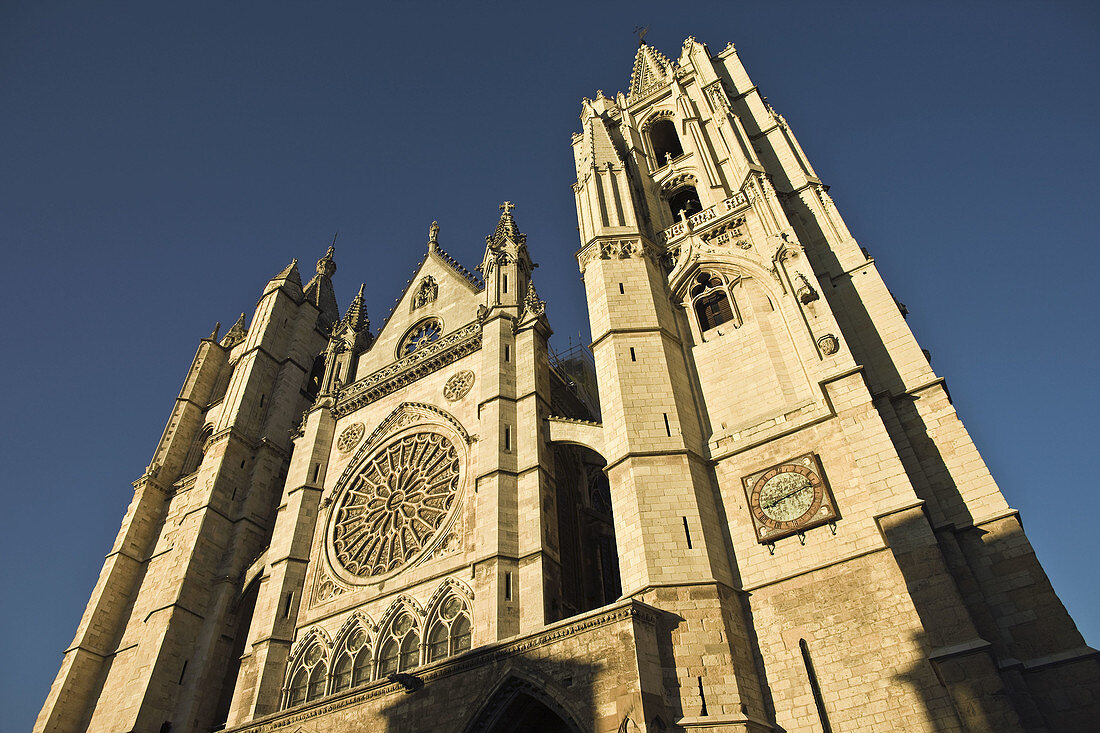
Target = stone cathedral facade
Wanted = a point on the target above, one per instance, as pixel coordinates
(752, 508)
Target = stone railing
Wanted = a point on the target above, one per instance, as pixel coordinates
(735, 202)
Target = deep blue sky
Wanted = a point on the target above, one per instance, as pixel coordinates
(158, 164)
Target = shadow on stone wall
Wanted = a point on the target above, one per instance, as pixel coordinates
(531, 695)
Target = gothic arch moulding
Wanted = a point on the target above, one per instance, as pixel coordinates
(493, 711)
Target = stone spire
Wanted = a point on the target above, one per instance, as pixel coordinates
(236, 333)
(356, 316)
(651, 70)
(319, 289)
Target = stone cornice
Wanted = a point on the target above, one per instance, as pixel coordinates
(419, 364)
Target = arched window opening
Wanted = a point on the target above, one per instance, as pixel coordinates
(360, 673)
(298, 688)
(316, 682)
(665, 141)
(451, 633)
(410, 652)
(387, 660)
(400, 651)
(309, 679)
(684, 199)
(341, 674)
(316, 374)
(713, 301)
(194, 456)
(437, 643)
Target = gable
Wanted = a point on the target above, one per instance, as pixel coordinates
(454, 303)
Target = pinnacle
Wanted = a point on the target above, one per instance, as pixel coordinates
(290, 273)
(507, 226)
(356, 316)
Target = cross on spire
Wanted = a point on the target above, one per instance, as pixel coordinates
(507, 207)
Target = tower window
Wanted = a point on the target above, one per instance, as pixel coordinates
(684, 199)
(665, 141)
(713, 302)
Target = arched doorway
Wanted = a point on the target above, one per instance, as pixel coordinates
(520, 705)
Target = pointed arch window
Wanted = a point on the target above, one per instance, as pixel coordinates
(712, 301)
(353, 667)
(400, 651)
(664, 141)
(685, 199)
(450, 633)
(310, 676)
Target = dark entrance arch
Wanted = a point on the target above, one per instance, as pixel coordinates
(519, 705)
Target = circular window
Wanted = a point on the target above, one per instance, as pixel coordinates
(394, 506)
(420, 335)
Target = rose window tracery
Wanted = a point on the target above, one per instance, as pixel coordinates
(395, 504)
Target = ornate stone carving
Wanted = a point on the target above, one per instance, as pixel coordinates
(423, 361)
(829, 344)
(350, 437)
(805, 291)
(458, 385)
(395, 505)
(533, 306)
(426, 292)
(327, 589)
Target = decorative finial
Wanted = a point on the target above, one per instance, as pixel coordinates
(327, 265)
(362, 287)
(214, 334)
(433, 233)
(641, 31)
(507, 207)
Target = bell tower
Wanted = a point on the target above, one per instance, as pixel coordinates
(781, 454)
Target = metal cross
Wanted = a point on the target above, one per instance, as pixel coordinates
(507, 206)
(641, 34)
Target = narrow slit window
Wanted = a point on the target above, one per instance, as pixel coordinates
(289, 600)
(622, 290)
(183, 672)
(507, 353)
(316, 471)
(262, 400)
(507, 438)
(633, 356)
(687, 532)
(507, 586)
(668, 428)
(506, 282)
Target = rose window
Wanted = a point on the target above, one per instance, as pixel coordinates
(395, 504)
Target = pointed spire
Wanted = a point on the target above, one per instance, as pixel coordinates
(214, 334)
(319, 288)
(236, 334)
(507, 227)
(290, 273)
(356, 317)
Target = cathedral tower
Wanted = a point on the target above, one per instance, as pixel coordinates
(779, 448)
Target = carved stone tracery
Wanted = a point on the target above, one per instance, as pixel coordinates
(395, 505)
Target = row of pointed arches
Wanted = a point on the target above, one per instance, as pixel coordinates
(408, 637)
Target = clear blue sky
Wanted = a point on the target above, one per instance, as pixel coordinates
(159, 163)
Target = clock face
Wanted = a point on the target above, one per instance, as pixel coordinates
(786, 496)
(789, 498)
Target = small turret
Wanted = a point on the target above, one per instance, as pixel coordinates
(507, 265)
(319, 288)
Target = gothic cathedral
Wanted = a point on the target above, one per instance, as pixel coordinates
(749, 507)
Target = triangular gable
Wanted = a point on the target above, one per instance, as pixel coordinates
(651, 70)
(455, 303)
